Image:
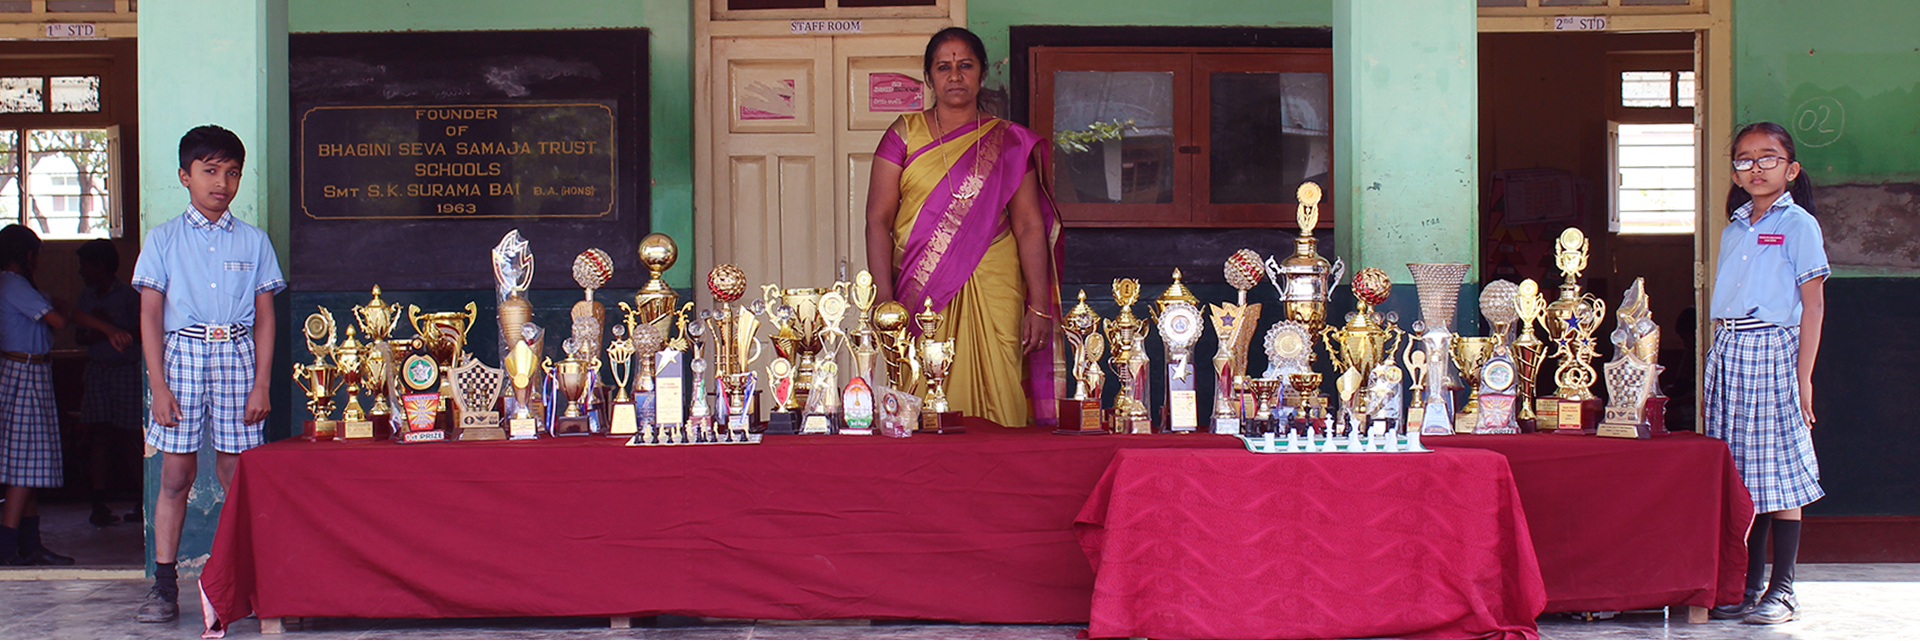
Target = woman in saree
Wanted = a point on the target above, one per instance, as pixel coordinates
(956, 214)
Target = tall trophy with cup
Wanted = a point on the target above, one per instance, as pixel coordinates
(377, 320)
(1234, 324)
(1499, 375)
(1304, 279)
(1528, 352)
(1126, 334)
(1571, 321)
(512, 262)
(1082, 412)
(1359, 349)
(1177, 313)
(1439, 287)
(936, 357)
(320, 380)
(736, 347)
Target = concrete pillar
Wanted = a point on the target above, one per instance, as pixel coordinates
(220, 62)
(1405, 143)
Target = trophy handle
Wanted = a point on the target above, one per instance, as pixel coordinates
(473, 313)
(300, 378)
(1327, 335)
(413, 314)
(1339, 274)
(1272, 268)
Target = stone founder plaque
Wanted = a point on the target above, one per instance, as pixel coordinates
(458, 161)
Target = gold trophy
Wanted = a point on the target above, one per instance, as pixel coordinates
(1082, 413)
(320, 380)
(902, 360)
(1499, 303)
(1177, 314)
(1368, 340)
(591, 270)
(446, 337)
(655, 302)
(571, 375)
(1126, 334)
(1634, 409)
(350, 359)
(736, 347)
(1305, 280)
(823, 408)
(1571, 321)
(1470, 353)
(1234, 324)
(377, 319)
(1305, 387)
(512, 262)
(866, 343)
(620, 351)
(521, 361)
(1528, 352)
(937, 356)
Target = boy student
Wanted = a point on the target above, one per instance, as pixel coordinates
(29, 424)
(110, 406)
(206, 283)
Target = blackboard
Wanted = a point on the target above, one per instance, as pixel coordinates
(414, 153)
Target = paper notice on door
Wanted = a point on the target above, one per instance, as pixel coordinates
(768, 101)
(893, 92)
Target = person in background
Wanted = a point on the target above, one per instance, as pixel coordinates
(110, 406)
(29, 422)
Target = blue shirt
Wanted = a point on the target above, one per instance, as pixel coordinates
(1762, 265)
(21, 308)
(120, 306)
(209, 271)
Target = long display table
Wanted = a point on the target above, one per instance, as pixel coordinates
(1217, 544)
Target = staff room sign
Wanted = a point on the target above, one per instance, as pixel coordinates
(524, 160)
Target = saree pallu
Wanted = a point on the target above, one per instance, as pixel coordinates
(960, 253)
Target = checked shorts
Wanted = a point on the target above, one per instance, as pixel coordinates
(210, 381)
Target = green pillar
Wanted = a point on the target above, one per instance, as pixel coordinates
(1406, 93)
(218, 62)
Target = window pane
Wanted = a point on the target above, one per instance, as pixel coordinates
(775, 4)
(1646, 89)
(71, 94)
(1657, 190)
(16, 6)
(1572, 3)
(9, 176)
(68, 187)
(79, 6)
(1269, 132)
(1503, 3)
(1653, 3)
(886, 3)
(1101, 158)
(1686, 89)
(20, 95)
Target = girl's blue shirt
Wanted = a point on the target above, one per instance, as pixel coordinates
(21, 308)
(1762, 265)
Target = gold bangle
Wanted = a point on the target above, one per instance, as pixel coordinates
(1039, 313)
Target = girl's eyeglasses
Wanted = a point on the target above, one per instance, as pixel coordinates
(1768, 162)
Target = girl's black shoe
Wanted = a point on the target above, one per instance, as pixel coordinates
(1775, 608)
(1737, 610)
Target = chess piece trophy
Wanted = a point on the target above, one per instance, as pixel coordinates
(476, 392)
(1234, 325)
(1305, 280)
(1528, 352)
(377, 319)
(1571, 321)
(936, 355)
(1082, 413)
(520, 363)
(512, 263)
(321, 380)
(1126, 334)
(823, 406)
(1499, 374)
(1634, 409)
(736, 347)
(1177, 314)
(1368, 340)
(1439, 288)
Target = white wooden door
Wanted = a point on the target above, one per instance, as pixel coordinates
(879, 78)
(773, 177)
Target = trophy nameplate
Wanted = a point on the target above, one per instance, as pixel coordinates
(1575, 417)
(356, 430)
(668, 391)
(1184, 411)
(423, 418)
(521, 429)
(1547, 408)
(1081, 417)
(320, 430)
(858, 400)
(572, 426)
(816, 424)
(1226, 425)
(626, 420)
(941, 423)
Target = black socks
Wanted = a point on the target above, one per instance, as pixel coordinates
(166, 581)
(1757, 552)
(1786, 551)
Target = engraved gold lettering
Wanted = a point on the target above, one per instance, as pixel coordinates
(454, 169)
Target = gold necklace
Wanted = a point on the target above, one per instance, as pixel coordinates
(966, 189)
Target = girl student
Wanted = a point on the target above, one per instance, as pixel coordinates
(29, 423)
(1768, 303)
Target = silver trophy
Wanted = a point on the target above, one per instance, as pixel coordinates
(1439, 287)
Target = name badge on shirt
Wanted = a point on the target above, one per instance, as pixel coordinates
(244, 266)
(1773, 239)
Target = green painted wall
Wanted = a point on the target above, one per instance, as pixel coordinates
(992, 18)
(1844, 76)
(670, 23)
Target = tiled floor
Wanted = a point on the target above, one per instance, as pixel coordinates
(1838, 602)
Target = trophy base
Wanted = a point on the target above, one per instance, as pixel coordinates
(1652, 421)
(423, 436)
(1657, 415)
(783, 422)
(1226, 425)
(572, 426)
(321, 430)
(356, 430)
(1170, 424)
(1435, 420)
(1465, 422)
(482, 434)
(523, 429)
(625, 421)
(820, 424)
(1570, 417)
(1625, 430)
(1529, 426)
(941, 423)
(1122, 423)
(382, 426)
(1081, 417)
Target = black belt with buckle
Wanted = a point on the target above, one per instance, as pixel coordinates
(23, 357)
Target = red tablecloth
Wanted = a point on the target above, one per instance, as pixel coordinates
(1225, 545)
(972, 527)
(1622, 524)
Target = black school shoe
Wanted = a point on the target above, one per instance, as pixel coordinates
(157, 608)
(45, 556)
(1737, 610)
(1775, 608)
